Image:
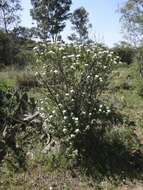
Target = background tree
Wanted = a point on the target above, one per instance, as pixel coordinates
(23, 32)
(132, 18)
(15, 49)
(9, 14)
(50, 16)
(80, 24)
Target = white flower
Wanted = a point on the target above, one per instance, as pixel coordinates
(64, 130)
(90, 114)
(72, 136)
(96, 76)
(87, 127)
(101, 106)
(44, 66)
(109, 55)
(100, 110)
(77, 131)
(72, 67)
(51, 52)
(36, 74)
(35, 48)
(42, 109)
(70, 56)
(72, 91)
(77, 56)
(56, 71)
(67, 94)
(108, 111)
(88, 50)
(54, 111)
(65, 117)
(83, 112)
(76, 118)
(50, 116)
(64, 111)
(75, 152)
(101, 80)
(100, 52)
(64, 57)
(92, 121)
(61, 48)
(88, 76)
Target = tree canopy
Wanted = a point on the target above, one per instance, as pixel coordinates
(50, 16)
(132, 18)
(9, 17)
(80, 24)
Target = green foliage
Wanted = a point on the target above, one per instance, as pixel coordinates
(50, 22)
(121, 147)
(141, 91)
(23, 32)
(126, 52)
(14, 50)
(6, 84)
(139, 58)
(18, 130)
(80, 24)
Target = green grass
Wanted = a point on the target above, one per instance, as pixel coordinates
(129, 100)
(7, 78)
(16, 77)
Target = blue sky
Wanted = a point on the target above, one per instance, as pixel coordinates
(103, 15)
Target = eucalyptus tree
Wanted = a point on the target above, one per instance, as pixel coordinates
(51, 16)
(132, 19)
(80, 24)
(9, 16)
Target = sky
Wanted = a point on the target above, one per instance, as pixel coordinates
(103, 14)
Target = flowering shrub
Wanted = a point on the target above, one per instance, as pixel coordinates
(73, 77)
